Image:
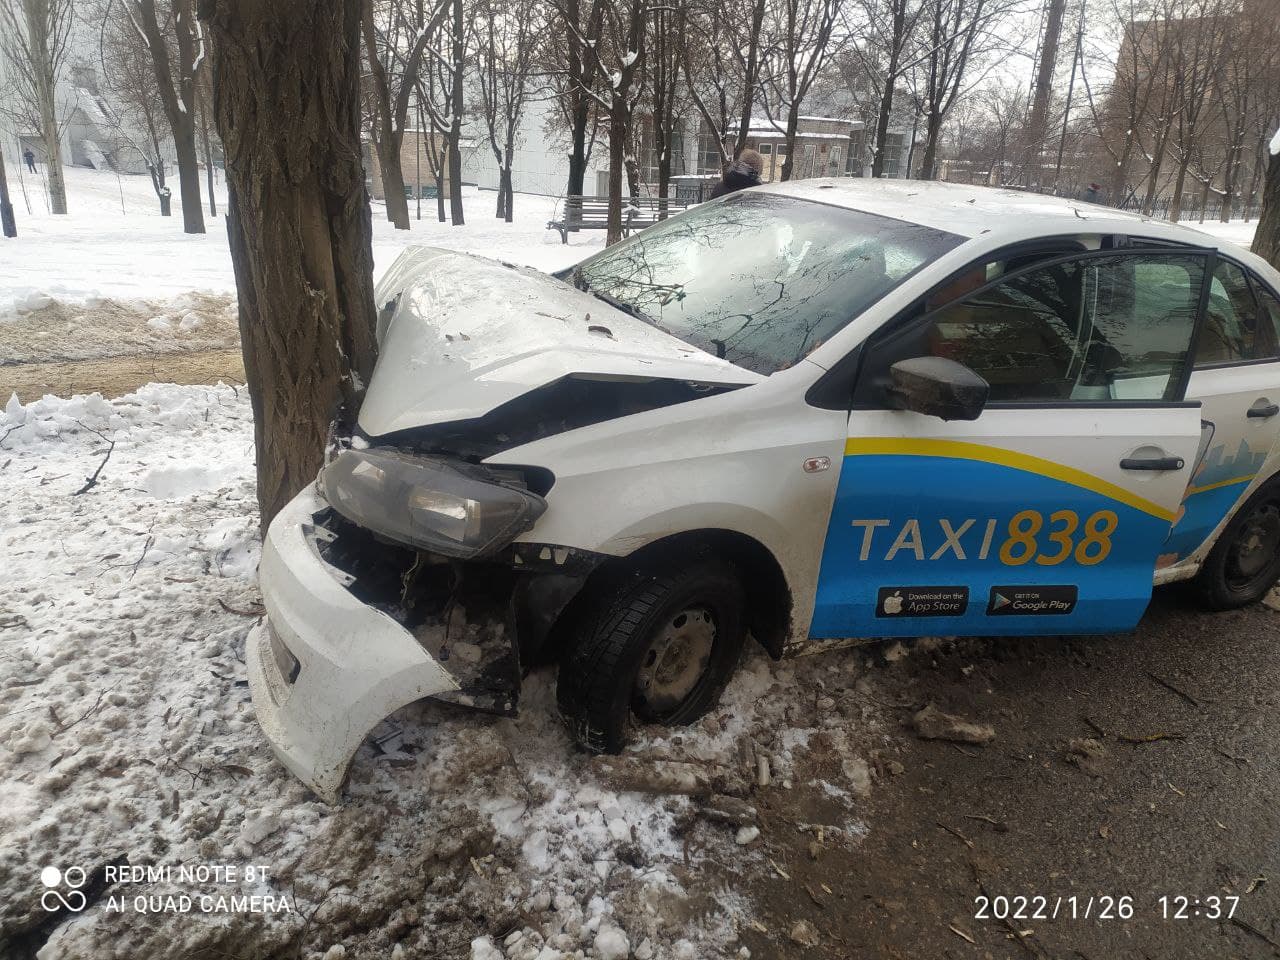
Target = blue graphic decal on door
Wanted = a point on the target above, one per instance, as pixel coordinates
(1034, 547)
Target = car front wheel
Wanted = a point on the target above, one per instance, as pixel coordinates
(1245, 562)
(659, 646)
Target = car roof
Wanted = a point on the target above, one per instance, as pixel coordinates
(991, 212)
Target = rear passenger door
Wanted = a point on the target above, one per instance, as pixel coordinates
(1045, 514)
(1237, 380)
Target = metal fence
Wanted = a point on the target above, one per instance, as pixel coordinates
(1193, 208)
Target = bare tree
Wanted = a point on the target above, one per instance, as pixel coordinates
(442, 97)
(956, 33)
(1141, 67)
(1197, 37)
(505, 35)
(708, 68)
(128, 75)
(33, 39)
(667, 44)
(619, 55)
(574, 31)
(175, 42)
(286, 80)
(396, 35)
(887, 31)
(801, 42)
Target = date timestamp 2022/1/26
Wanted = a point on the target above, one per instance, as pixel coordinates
(1104, 907)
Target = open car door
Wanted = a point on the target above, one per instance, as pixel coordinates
(1046, 513)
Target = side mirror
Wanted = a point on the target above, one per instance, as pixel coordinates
(938, 387)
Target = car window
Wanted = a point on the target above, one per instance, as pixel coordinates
(1234, 329)
(757, 278)
(1116, 327)
(1269, 316)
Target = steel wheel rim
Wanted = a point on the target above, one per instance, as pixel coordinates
(1255, 549)
(677, 660)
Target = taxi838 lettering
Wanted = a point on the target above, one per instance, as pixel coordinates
(1028, 537)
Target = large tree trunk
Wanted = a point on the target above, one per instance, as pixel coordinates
(287, 103)
(1266, 240)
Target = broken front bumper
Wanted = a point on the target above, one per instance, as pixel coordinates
(327, 668)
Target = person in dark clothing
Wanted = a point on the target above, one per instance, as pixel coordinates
(742, 173)
(30, 157)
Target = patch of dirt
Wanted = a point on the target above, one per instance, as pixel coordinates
(57, 332)
(115, 376)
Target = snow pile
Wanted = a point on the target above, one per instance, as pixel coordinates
(127, 737)
(55, 330)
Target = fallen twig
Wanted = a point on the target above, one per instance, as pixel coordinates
(1172, 689)
(1231, 756)
(958, 835)
(88, 713)
(1102, 734)
(145, 547)
(254, 611)
(1150, 738)
(92, 481)
(1250, 928)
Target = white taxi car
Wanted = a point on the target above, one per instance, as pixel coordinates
(807, 412)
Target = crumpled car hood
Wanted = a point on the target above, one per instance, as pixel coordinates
(467, 334)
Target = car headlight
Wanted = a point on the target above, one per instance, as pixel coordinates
(431, 503)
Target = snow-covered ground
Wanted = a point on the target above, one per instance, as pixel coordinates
(125, 250)
(127, 734)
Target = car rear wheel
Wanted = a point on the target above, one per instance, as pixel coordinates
(659, 646)
(1245, 562)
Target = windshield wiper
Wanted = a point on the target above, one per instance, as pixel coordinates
(580, 282)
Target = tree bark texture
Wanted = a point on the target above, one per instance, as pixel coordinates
(1266, 240)
(287, 105)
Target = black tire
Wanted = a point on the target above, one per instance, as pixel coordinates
(1245, 562)
(599, 688)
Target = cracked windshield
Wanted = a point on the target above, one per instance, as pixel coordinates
(757, 279)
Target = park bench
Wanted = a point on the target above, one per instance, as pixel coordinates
(592, 213)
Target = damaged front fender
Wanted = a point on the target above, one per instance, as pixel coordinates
(358, 628)
(328, 668)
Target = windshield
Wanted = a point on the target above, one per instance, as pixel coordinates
(760, 279)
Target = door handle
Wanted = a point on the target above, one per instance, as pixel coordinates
(1152, 463)
(1262, 409)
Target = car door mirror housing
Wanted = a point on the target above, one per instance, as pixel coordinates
(937, 387)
